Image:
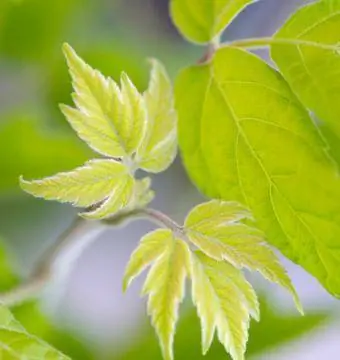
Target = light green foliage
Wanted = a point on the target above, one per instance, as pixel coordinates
(104, 109)
(150, 248)
(202, 21)
(312, 69)
(250, 140)
(220, 293)
(224, 299)
(133, 130)
(216, 229)
(159, 146)
(169, 260)
(16, 343)
(105, 181)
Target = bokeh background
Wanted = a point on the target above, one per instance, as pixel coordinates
(84, 312)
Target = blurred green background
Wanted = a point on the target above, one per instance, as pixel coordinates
(85, 313)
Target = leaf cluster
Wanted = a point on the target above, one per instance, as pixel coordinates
(246, 134)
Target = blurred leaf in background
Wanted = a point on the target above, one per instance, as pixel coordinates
(42, 25)
(34, 321)
(28, 149)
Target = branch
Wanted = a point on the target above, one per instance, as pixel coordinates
(44, 270)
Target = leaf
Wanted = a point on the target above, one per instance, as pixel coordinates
(310, 61)
(135, 116)
(120, 197)
(151, 246)
(165, 287)
(31, 317)
(98, 180)
(110, 120)
(143, 194)
(224, 300)
(16, 343)
(216, 232)
(202, 21)
(169, 260)
(159, 145)
(244, 136)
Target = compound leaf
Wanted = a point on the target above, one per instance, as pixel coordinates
(310, 60)
(244, 136)
(16, 343)
(220, 235)
(159, 146)
(202, 21)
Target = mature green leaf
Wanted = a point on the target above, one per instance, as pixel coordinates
(16, 343)
(98, 180)
(244, 136)
(110, 120)
(169, 258)
(224, 301)
(159, 145)
(216, 229)
(201, 21)
(310, 61)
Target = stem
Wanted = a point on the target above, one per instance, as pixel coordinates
(210, 51)
(161, 219)
(264, 42)
(80, 233)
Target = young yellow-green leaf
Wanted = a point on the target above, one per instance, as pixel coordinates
(164, 283)
(134, 121)
(16, 343)
(244, 136)
(143, 194)
(151, 246)
(120, 197)
(220, 235)
(97, 180)
(98, 135)
(215, 213)
(159, 145)
(310, 61)
(224, 301)
(201, 21)
(111, 121)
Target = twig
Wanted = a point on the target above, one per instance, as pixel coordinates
(44, 270)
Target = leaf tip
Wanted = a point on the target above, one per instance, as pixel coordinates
(24, 184)
(67, 49)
